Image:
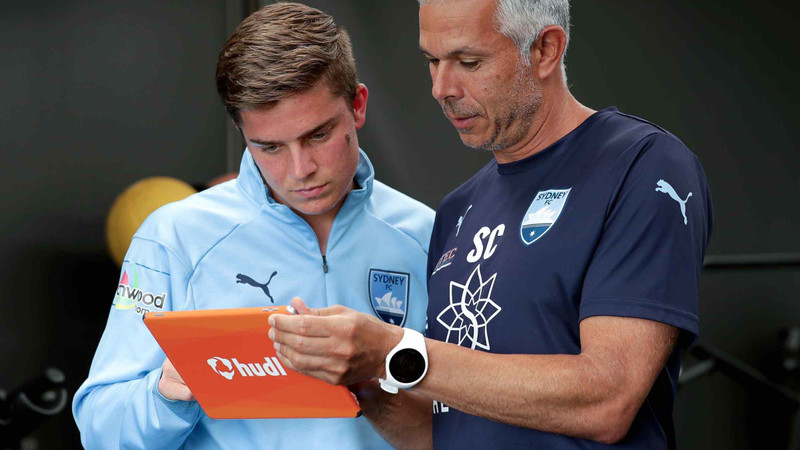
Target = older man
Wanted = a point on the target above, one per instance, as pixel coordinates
(563, 276)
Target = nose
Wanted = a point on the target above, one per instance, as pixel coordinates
(444, 82)
(302, 163)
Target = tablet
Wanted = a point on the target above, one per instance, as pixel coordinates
(227, 360)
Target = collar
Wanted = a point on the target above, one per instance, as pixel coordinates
(253, 186)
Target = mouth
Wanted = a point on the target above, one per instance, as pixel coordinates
(310, 192)
(463, 123)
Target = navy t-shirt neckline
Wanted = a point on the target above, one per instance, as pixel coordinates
(552, 149)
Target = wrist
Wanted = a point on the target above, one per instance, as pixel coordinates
(394, 336)
(406, 364)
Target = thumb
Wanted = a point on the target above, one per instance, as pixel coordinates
(300, 306)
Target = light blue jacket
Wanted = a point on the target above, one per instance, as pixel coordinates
(199, 253)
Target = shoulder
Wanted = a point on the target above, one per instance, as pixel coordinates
(401, 212)
(626, 142)
(192, 226)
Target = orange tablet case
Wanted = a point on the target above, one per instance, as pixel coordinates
(228, 362)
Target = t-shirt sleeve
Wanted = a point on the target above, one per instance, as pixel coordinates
(648, 261)
(119, 405)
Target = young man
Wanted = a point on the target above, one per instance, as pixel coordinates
(305, 217)
(563, 276)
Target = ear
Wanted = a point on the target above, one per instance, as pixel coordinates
(547, 51)
(360, 105)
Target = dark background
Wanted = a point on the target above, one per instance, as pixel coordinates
(97, 95)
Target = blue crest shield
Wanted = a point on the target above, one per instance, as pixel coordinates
(388, 292)
(543, 212)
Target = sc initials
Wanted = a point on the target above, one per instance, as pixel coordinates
(486, 252)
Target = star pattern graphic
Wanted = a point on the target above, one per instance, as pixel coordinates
(471, 309)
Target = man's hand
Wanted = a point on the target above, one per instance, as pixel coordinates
(335, 344)
(171, 384)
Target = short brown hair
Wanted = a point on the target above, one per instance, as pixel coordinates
(280, 50)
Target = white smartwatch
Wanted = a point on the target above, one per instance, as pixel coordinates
(407, 363)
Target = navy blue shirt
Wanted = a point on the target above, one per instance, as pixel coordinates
(611, 220)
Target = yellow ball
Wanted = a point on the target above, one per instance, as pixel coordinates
(134, 204)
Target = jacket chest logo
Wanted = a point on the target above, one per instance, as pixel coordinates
(388, 292)
(244, 279)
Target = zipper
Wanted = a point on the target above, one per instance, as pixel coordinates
(324, 264)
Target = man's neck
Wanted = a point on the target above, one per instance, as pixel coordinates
(322, 224)
(558, 115)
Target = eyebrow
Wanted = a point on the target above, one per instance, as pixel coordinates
(317, 129)
(457, 52)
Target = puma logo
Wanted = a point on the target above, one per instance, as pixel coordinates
(244, 279)
(461, 220)
(663, 186)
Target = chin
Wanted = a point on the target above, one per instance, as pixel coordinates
(315, 209)
(472, 142)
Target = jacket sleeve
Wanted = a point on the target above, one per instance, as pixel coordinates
(119, 405)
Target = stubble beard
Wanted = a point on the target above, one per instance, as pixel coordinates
(512, 124)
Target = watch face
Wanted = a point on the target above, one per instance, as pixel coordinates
(407, 365)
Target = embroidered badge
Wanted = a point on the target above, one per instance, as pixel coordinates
(542, 214)
(388, 292)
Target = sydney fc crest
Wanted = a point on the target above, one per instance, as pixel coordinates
(542, 214)
(389, 293)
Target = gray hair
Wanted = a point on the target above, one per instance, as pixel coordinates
(523, 20)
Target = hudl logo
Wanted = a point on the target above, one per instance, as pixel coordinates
(270, 367)
(216, 361)
(389, 294)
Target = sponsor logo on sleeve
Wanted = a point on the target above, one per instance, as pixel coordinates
(388, 292)
(130, 296)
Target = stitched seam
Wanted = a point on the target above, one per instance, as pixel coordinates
(643, 302)
(188, 267)
(148, 268)
(398, 229)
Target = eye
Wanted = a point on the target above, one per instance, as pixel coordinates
(271, 148)
(432, 62)
(471, 65)
(319, 135)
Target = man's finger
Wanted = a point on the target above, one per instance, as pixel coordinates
(304, 325)
(334, 310)
(319, 367)
(317, 346)
(300, 306)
